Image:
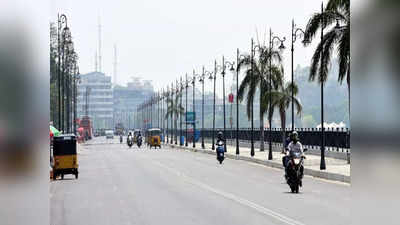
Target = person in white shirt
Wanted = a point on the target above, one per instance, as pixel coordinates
(294, 147)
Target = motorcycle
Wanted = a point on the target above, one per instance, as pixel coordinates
(295, 171)
(220, 151)
(139, 141)
(129, 141)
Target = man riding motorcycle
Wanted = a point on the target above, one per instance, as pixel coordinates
(139, 139)
(294, 147)
(129, 139)
(220, 147)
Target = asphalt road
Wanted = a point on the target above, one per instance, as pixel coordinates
(121, 186)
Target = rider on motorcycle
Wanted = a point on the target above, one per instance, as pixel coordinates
(294, 147)
(220, 137)
(129, 137)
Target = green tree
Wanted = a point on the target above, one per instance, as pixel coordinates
(259, 77)
(336, 12)
(281, 100)
(174, 108)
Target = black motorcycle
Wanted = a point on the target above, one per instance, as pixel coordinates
(295, 170)
(220, 151)
(139, 141)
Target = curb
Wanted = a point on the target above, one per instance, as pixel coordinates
(309, 172)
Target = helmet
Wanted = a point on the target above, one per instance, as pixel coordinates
(295, 136)
(220, 134)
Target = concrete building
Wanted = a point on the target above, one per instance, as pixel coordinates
(127, 98)
(100, 101)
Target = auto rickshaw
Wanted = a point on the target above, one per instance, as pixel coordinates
(65, 156)
(154, 137)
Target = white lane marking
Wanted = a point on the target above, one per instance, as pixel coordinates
(232, 197)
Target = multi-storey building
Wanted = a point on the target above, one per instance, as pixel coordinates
(100, 99)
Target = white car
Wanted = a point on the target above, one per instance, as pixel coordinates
(110, 134)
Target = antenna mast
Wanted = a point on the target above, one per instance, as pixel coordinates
(95, 61)
(115, 64)
(100, 70)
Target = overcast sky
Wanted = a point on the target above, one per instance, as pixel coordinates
(161, 40)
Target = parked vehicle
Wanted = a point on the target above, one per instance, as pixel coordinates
(65, 156)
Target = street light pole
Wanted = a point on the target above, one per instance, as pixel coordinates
(168, 102)
(186, 134)
(305, 41)
(322, 164)
(177, 114)
(180, 115)
(202, 108)
(62, 19)
(238, 58)
(252, 102)
(271, 46)
(194, 109)
(231, 64)
(213, 131)
(172, 113)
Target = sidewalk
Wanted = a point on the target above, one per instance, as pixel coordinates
(336, 169)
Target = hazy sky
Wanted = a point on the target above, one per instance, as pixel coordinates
(161, 40)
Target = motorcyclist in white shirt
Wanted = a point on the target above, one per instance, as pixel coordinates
(294, 147)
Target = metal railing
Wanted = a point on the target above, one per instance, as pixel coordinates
(337, 139)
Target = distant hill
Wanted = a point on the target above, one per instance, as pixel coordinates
(335, 99)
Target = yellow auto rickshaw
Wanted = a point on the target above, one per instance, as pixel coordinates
(65, 156)
(154, 137)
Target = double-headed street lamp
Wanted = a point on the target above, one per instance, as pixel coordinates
(181, 86)
(176, 112)
(194, 108)
(224, 64)
(271, 47)
(172, 113)
(238, 60)
(61, 21)
(296, 33)
(186, 106)
(202, 79)
(213, 77)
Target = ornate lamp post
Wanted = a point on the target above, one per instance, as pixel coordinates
(224, 64)
(172, 113)
(305, 41)
(194, 108)
(271, 46)
(202, 79)
(186, 133)
(238, 60)
(213, 77)
(177, 112)
(180, 116)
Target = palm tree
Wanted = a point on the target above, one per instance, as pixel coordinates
(336, 12)
(174, 109)
(282, 99)
(259, 78)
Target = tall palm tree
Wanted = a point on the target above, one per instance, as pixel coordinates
(282, 99)
(336, 16)
(174, 109)
(260, 78)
